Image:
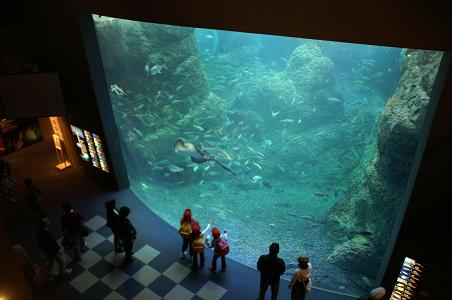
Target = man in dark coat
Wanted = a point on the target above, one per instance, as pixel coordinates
(71, 226)
(271, 268)
(112, 223)
(126, 232)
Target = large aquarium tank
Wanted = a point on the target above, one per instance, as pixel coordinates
(275, 139)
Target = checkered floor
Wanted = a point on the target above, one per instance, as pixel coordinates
(102, 274)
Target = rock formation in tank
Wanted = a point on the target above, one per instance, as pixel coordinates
(376, 188)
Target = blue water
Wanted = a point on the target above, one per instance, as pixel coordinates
(293, 137)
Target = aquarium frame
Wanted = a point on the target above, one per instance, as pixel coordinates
(112, 137)
(99, 84)
(435, 96)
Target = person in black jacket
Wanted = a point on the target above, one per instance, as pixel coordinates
(112, 223)
(71, 226)
(49, 246)
(271, 268)
(126, 232)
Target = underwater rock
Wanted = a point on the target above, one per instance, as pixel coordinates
(403, 116)
(310, 70)
(313, 75)
(375, 187)
(139, 44)
(349, 256)
(276, 91)
(191, 76)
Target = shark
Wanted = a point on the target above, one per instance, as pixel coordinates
(197, 154)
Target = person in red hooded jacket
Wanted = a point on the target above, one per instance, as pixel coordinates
(216, 234)
(197, 245)
(185, 231)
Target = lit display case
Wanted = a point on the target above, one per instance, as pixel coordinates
(100, 153)
(409, 276)
(81, 143)
(91, 148)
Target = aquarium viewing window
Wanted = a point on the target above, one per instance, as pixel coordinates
(276, 139)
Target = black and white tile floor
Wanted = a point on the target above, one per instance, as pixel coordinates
(102, 274)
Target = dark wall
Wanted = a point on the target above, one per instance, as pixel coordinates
(50, 36)
(411, 24)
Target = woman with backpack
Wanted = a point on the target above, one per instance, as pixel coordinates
(220, 249)
(197, 242)
(301, 279)
(185, 230)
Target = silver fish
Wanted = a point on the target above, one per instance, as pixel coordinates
(257, 165)
(138, 131)
(157, 69)
(199, 127)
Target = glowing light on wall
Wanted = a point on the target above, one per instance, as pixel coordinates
(407, 282)
(91, 148)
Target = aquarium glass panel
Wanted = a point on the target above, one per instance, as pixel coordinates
(275, 139)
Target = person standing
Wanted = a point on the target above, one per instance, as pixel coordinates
(185, 231)
(126, 232)
(49, 246)
(7, 181)
(34, 197)
(271, 268)
(71, 225)
(112, 223)
(220, 249)
(197, 242)
(301, 280)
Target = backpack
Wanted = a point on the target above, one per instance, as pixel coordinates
(185, 230)
(198, 244)
(223, 247)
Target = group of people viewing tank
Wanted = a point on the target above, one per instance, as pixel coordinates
(194, 241)
(271, 266)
